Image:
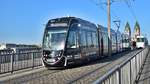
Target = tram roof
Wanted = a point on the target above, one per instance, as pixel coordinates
(79, 20)
(69, 19)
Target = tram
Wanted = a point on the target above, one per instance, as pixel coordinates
(126, 41)
(70, 40)
(141, 42)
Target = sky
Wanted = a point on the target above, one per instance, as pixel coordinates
(23, 21)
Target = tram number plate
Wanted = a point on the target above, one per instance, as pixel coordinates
(51, 60)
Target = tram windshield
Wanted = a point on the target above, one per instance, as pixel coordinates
(140, 39)
(54, 38)
(126, 41)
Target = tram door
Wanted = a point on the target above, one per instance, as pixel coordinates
(101, 45)
(73, 43)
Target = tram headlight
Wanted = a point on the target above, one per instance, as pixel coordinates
(69, 56)
(60, 53)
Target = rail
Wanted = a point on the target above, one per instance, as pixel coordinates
(127, 72)
(11, 61)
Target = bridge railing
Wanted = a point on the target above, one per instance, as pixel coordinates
(11, 61)
(127, 72)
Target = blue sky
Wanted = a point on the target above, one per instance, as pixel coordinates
(22, 21)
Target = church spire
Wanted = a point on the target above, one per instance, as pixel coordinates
(127, 29)
(136, 29)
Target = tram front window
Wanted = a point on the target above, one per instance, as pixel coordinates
(140, 39)
(54, 39)
(125, 41)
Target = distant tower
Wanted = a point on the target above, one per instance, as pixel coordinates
(136, 30)
(127, 29)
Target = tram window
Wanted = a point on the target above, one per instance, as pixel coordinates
(73, 37)
(83, 39)
(72, 40)
(94, 39)
(105, 39)
(89, 39)
(113, 39)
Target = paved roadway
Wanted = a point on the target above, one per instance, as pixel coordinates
(145, 74)
(84, 74)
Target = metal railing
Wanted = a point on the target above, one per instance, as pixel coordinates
(127, 72)
(11, 61)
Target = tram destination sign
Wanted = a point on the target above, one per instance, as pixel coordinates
(58, 24)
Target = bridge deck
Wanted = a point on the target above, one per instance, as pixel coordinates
(145, 75)
(84, 74)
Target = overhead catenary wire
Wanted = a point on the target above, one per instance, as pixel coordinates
(101, 4)
(129, 5)
(127, 2)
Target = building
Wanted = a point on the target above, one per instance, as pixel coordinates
(16, 47)
(7, 46)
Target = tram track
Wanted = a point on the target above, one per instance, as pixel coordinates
(86, 78)
(72, 81)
